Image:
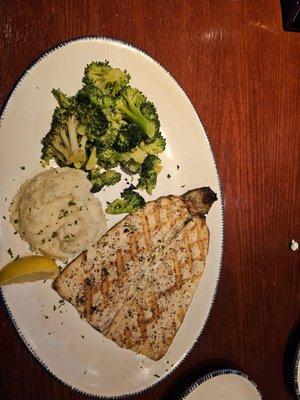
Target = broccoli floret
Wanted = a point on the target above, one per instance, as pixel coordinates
(100, 179)
(149, 171)
(108, 158)
(129, 202)
(90, 115)
(62, 142)
(73, 124)
(137, 155)
(156, 147)
(109, 80)
(110, 177)
(135, 108)
(93, 121)
(132, 161)
(62, 99)
(90, 94)
(131, 166)
(129, 137)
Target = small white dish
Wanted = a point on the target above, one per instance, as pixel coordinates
(223, 385)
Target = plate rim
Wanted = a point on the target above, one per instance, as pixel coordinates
(213, 374)
(11, 93)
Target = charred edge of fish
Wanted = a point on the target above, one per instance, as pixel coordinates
(199, 201)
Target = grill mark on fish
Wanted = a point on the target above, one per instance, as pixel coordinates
(88, 299)
(157, 216)
(105, 291)
(133, 245)
(127, 337)
(171, 215)
(142, 323)
(155, 310)
(188, 250)
(181, 314)
(182, 214)
(201, 242)
(177, 271)
(120, 268)
(146, 230)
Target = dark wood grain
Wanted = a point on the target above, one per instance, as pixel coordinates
(241, 71)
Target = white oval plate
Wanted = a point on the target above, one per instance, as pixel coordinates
(223, 385)
(66, 345)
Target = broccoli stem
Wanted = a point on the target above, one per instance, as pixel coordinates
(137, 117)
(92, 161)
(71, 123)
(61, 149)
(65, 140)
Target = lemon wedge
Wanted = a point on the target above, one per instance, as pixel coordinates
(28, 269)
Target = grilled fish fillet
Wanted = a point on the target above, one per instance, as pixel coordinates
(153, 312)
(143, 272)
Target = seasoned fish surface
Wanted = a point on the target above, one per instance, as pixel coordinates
(153, 312)
(163, 243)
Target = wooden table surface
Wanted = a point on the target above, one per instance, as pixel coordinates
(241, 72)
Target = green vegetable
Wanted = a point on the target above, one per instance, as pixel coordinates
(100, 179)
(135, 108)
(72, 126)
(92, 161)
(63, 143)
(61, 98)
(129, 202)
(156, 147)
(108, 158)
(132, 161)
(106, 124)
(109, 80)
(149, 171)
(129, 137)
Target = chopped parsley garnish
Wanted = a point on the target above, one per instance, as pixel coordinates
(10, 253)
(63, 213)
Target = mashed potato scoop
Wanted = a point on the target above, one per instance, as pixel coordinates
(56, 213)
